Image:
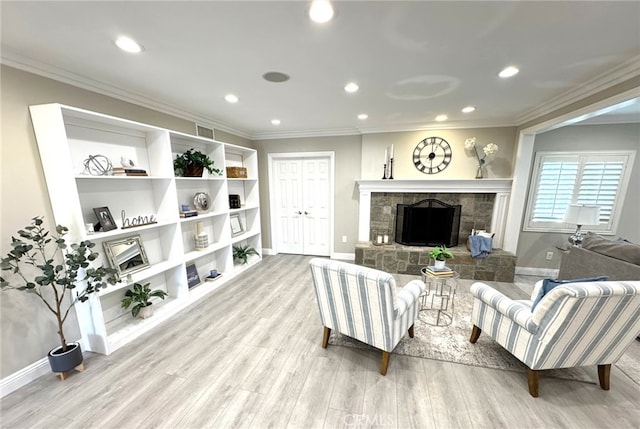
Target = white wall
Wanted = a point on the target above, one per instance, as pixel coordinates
(463, 163)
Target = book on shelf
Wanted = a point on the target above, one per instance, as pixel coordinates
(120, 171)
(188, 213)
(212, 279)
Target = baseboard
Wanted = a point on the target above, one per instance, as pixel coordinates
(540, 272)
(344, 256)
(25, 376)
(268, 251)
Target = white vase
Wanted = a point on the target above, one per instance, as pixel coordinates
(439, 264)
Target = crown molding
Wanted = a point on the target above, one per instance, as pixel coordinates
(617, 74)
(329, 132)
(46, 70)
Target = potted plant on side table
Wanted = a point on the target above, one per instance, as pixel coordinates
(439, 254)
(60, 275)
(192, 163)
(141, 296)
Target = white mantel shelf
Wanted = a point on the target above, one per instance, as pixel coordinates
(476, 186)
(500, 187)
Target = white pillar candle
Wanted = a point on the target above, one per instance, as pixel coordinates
(385, 156)
(385, 239)
(379, 239)
(391, 151)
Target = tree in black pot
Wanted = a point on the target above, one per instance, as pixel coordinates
(60, 275)
(192, 163)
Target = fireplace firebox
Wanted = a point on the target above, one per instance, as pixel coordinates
(428, 222)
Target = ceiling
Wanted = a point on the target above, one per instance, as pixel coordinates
(412, 60)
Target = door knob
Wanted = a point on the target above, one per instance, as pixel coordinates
(299, 212)
(306, 212)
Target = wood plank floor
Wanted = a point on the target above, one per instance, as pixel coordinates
(249, 356)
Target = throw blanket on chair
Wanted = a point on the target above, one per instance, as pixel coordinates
(480, 246)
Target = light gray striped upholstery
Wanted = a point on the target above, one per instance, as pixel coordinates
(578, 324)
(362, 302)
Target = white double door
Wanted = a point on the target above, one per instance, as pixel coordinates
(302, 205)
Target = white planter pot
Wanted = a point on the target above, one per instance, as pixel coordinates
(145, 312)
(439, 264)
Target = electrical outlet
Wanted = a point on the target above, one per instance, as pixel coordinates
(549, 256)
(344, 238)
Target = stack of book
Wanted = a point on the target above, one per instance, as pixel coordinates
(438, 272)
(188, 213)
(121, 171)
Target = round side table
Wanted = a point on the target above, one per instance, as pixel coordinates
(437, 301)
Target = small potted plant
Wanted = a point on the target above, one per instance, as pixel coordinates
(60, 275)
(242, 253)
(192, 163)
(439, 254)
(140, 295)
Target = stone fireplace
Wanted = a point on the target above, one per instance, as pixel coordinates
(484, 206)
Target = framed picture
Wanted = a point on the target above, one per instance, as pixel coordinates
(126, 255)
(236, 224)
(193, 278)
(105, 220)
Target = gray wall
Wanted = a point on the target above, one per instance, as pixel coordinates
(348, 151)
(533, 246)
(25, 324)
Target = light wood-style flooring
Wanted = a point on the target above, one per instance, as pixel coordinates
(249, 356)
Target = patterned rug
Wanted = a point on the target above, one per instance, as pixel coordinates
(451, 344)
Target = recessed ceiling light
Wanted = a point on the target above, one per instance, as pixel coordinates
(351, 87)
(321, 11)
(127, 44)
(275, 77)
(363, 116)
(275, 122)
(509, 71)
(441, 118)
(231, 98)
(468, 109)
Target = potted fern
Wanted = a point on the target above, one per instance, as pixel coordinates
(242, 253)
(192, 163)
(60, 275)
(141, 295)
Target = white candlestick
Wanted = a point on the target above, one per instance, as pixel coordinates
(385, 156)
(391, 151)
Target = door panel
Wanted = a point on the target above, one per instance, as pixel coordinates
(303, 205)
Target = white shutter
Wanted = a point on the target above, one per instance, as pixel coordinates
(556, 184)
(599, 186)
(563, 178)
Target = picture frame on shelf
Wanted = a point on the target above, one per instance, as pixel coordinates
(193, 279)
(236, 224)
(105, 220)
(126, 255)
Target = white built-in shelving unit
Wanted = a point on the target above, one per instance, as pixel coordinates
(66, 136)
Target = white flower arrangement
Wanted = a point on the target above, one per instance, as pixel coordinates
(488, 150)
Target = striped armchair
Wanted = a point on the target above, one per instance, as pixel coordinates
(362, 303)
(575, 324)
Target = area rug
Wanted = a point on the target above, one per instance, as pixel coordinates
(451, 344)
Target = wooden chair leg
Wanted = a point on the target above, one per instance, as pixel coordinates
(411, 331)
(604, 375)
(325, 337)
(475, 334)
(532, 380)
(385, 362)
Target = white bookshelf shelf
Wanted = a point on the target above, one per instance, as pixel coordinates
(169, 243)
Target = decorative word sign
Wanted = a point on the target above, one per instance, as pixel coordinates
(137, 221)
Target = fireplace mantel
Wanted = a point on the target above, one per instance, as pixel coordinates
(500, 187)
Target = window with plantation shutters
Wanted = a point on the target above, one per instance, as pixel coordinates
(563, 178)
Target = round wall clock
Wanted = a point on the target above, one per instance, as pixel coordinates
(432, 155)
